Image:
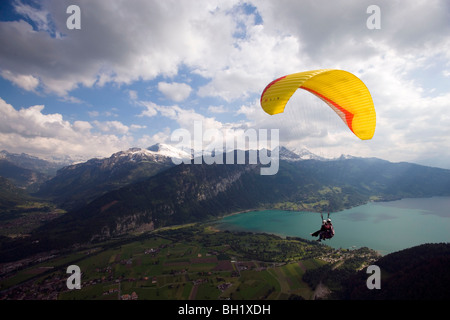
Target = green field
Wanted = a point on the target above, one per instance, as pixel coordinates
(183, 263)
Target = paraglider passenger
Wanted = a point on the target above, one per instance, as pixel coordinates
(326, 231)
(322, 229)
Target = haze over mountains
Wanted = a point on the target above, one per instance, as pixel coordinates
(141, 189)
(70, 183)
(80, 183)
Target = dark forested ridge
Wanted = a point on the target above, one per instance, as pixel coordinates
(10, 196)
(418, 273)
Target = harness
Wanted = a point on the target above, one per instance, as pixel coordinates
(328, 233)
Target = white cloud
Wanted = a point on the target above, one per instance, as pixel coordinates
(127, 41)
(146, 39)
(46, 135)
(150, 109)
(93, 114)
(82, 126)
(133, 94)
(160, 137)
(175, 91)
(185, 118)
(112, 126)
(27, 82)
(217, 109)
(217, 40)
(252, 63)
(137, 127)
(39, 17)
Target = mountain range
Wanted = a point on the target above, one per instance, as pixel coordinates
(33, 163)
(141, 189)
(78, 184)
(24, 171)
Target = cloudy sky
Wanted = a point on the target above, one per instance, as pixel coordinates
(137, 70)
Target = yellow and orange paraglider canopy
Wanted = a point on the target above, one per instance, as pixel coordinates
(345, 93)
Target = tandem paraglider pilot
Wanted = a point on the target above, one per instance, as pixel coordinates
(326, 231)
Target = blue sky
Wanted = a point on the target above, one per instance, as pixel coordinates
(138, 70)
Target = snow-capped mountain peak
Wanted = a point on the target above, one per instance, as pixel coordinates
(168, 151)
(346, 157)
(297, 154)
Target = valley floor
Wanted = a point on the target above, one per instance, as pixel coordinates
(192, 262)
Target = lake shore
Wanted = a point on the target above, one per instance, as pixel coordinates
(376, 225)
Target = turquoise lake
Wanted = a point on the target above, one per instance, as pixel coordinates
(383, 226)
